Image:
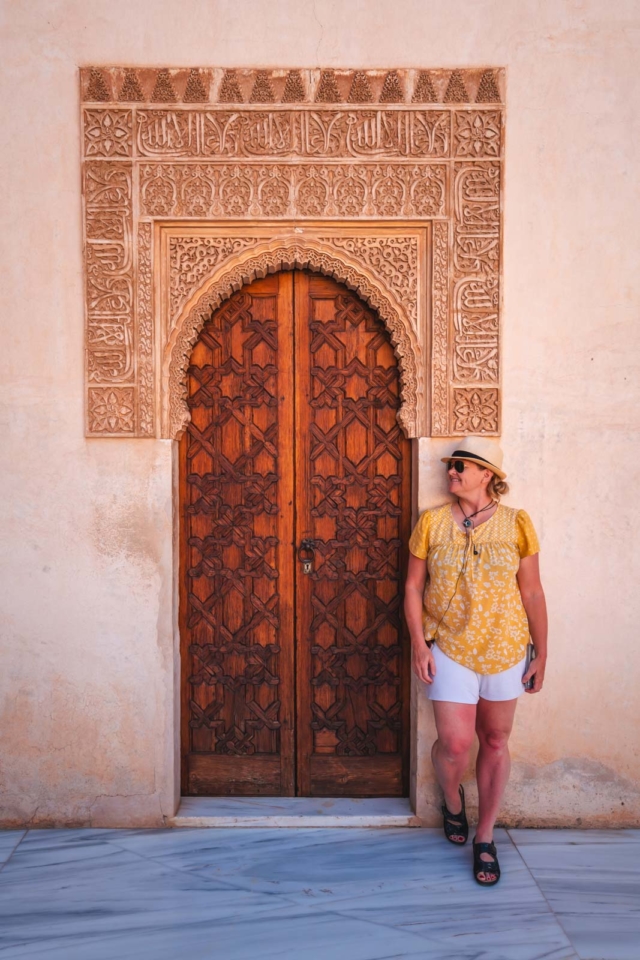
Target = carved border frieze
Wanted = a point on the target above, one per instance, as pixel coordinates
(223, 191)
(196, 180)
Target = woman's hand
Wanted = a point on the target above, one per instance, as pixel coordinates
(423, 662)
(536, 670)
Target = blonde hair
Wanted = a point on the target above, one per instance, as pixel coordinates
(497, 488)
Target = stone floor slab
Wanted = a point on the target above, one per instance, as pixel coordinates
(592, 887)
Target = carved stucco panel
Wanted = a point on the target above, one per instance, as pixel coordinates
(223, 191)
(475, 295)
(475, 410)
(440, 331)
(315, 255)
(191, 259)
(296, 146)
(111, 410)
(146, 378)
(109, 278)
(394, 260)
(321, 134)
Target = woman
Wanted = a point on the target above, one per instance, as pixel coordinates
(469, 633)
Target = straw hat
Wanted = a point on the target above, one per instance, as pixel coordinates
(481, 450)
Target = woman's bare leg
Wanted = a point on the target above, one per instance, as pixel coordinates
(455, 723)
(494, 722)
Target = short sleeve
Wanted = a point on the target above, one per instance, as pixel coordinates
(527, 537)
(419, 539)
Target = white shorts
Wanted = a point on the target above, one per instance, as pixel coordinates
(458, 684)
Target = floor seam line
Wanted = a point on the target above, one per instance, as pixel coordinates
(544, 896)
(13, 851)
(169, 866)
(227, 885)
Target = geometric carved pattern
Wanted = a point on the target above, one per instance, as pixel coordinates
(231, 513)
(217, 86)
(340, 146)
(111, 410)
(339, 263)
(358, 462)
(237, 464)
(477, 134)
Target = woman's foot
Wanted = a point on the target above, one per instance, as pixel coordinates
(456, 828)
(486, 868)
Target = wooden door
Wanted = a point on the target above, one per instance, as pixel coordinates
(294, 682)
(352, 497)
(237, 567)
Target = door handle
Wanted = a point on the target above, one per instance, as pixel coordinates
(306, 554)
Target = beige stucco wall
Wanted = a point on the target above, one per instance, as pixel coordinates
(88, 669)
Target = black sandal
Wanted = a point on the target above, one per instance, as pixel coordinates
(455, 824)
(485, 866)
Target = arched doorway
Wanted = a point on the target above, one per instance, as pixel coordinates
(295, 511)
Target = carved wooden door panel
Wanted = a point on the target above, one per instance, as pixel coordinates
(237, 544)
(353, 502)
(293, 682)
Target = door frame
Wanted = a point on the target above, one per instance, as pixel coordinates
(407, 236)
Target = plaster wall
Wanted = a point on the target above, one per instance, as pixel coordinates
(86, 690)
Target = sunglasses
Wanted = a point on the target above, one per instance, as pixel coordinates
(458, 465)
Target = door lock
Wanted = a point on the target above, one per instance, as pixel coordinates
(306, 554)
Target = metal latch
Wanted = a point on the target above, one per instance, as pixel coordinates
(306, 554)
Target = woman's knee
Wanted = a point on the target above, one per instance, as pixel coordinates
(494, 739)
(455, 746)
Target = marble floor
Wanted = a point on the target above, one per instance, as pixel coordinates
(315, 894)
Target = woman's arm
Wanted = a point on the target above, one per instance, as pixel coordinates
(422, 661)
(536, 609)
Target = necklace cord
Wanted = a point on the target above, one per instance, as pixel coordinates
(471, 515)
(465, 558)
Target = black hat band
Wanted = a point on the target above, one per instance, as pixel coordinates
(473, 456)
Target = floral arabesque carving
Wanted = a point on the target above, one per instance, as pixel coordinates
(146, 399)
(223, 191)
(475, 410)
(111, 410)
(393, 259)
(107, 133)
(246, 267)
(477, 134)
(440, 331)
(192, 258)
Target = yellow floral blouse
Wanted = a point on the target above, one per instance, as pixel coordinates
(485, 627)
